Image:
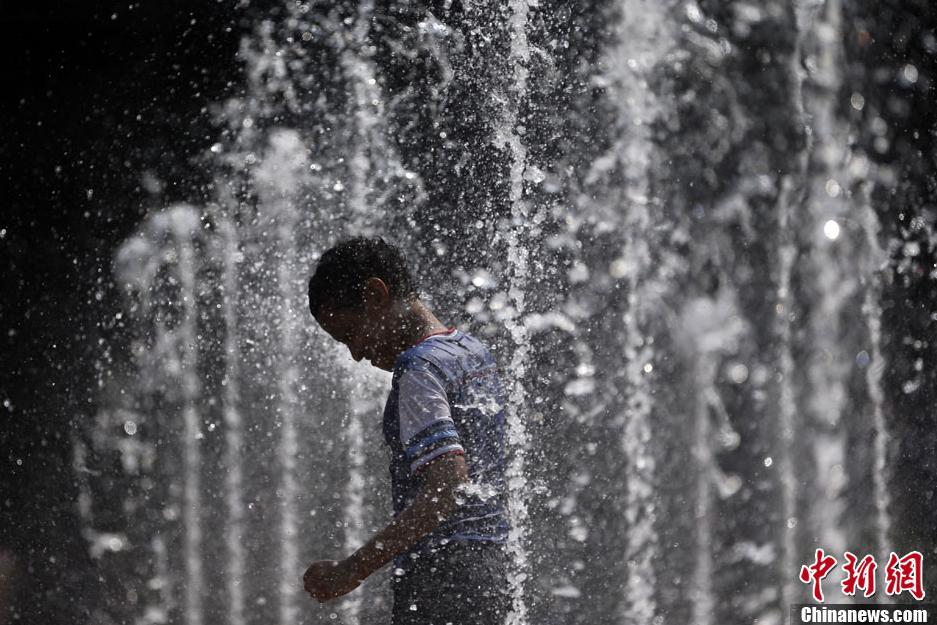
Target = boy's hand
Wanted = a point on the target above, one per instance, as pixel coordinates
(328, 579)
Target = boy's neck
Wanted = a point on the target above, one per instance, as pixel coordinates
(418, 321)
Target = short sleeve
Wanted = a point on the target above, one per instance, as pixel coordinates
(427, 430)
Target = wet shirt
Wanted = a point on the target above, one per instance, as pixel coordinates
(446, 398)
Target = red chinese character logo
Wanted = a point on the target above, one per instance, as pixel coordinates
(905, 574)
(821, 567)
(861, 576)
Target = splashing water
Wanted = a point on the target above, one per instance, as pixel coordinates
(637, 226)
(517, 262)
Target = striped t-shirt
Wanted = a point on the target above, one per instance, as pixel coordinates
(446, 398)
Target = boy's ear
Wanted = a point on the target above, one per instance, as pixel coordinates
(376, 294)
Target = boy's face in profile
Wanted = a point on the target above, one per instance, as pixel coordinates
(366, 330)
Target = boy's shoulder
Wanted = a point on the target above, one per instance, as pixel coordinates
(453, 349)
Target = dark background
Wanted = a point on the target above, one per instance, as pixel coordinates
(101, 101)
(102, 116)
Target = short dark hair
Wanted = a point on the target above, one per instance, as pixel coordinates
(343, 269)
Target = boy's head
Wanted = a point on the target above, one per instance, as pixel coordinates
(355, 295)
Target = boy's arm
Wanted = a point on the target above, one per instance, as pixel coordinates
(436, 500)
(434, 503)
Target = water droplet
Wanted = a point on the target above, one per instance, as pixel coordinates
(910, 73)
(733, 484)
(618, 268)
(857, 101)
(567, 592)
(911, 248)
(831, 228)
(534, 174)
(738, 373)
(769, 461)
(130, 428)
(862, 359)
(578, 273)
(693, 13)
(483, 279)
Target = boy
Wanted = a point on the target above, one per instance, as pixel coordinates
(444, 424)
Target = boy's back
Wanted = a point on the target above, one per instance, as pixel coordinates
(446, 398)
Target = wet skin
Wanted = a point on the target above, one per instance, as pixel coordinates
(380, 328)
(363, 338)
